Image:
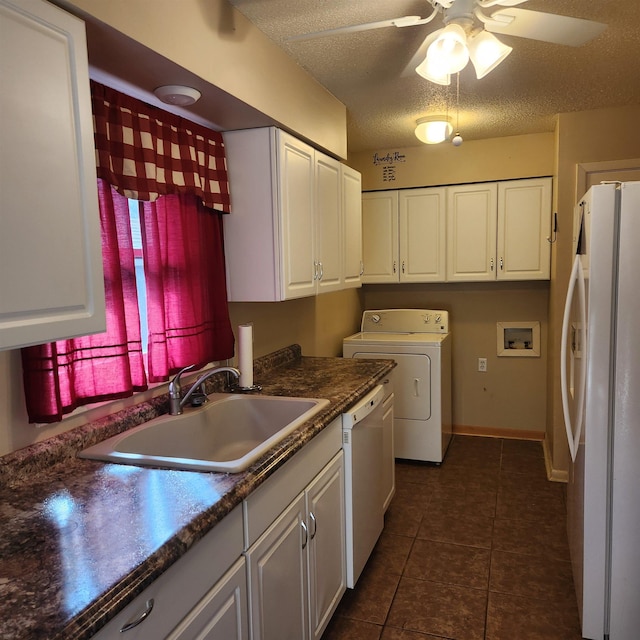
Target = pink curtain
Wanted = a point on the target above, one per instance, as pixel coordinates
(146, 152)
(62, 375)
(186, 288)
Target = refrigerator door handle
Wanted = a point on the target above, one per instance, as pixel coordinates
(573, 432)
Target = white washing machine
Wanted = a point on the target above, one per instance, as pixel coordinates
(420, 342)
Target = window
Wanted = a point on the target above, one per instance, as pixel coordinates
(164, 266)
(138, 258)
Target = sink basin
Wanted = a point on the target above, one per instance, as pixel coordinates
(227, 434)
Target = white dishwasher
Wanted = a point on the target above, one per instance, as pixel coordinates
(362, 439)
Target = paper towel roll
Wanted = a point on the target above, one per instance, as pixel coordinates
(245, 354)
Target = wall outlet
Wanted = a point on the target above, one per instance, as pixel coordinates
(482, 365)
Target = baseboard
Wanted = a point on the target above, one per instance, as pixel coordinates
(496, 432)
(555, 475)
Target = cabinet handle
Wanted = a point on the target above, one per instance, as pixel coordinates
(315, 524)
(321, 270)
(501, 264)
(491, 264)
(315, 270)
(403, 266)
(141, 618)
(361, 267)
(305, 531)
(395, 267)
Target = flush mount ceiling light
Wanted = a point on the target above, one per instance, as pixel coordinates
(433, 129)
(177, 95)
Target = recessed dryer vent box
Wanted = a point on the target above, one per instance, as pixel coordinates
(519, 339)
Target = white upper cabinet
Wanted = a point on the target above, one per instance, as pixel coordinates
(285, 236)
(380, 236)
(471, 232)
(352, 227)
(404, 235)
(464, 233)
(50, 249)
(422, 235)
(297, 220)
(329, 236)
(498, 231)
(524, 212)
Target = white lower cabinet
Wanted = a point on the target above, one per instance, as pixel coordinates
(222, 613)
(297, 567)
(201, 596)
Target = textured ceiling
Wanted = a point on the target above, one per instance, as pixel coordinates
(522, 95)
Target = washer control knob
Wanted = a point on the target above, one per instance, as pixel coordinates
(438, 319)
(375, 318)
(427, 318)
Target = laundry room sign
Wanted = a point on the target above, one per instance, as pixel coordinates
(388, 163)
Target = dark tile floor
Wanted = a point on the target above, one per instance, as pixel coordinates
(475, 549)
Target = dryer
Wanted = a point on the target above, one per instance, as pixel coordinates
(420, 342)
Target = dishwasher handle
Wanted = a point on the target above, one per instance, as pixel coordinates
(363, 408)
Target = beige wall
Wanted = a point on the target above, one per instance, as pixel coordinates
(317, 324)
(587, 136)
(474, 161)
(217, 44)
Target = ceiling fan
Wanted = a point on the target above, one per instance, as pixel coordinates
(468, 34)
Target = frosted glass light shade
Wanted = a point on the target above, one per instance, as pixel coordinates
(432, 71)
(433, 129)
(449, 50)
(486, 52)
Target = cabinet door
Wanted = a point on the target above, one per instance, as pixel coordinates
(352, 227)
(327, 553)
(296, 194)
(328, 212)
(380, 236)
(471, 232)
(222, 613)
(388, 455)
(422, 235)
(50, 248)
(524, 213)
(278, 578)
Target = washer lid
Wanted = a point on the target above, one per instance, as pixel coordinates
(372, 338)
(405, 321)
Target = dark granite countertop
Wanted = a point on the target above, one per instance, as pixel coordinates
(80, 539)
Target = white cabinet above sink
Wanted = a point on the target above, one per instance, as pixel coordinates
(293, 218)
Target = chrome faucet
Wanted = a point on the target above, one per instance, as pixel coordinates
(177, 402)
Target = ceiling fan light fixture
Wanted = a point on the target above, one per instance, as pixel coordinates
(433, 72)
(433, 129)
(486, 52)
(449, 50)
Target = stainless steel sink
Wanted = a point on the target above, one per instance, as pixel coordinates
(227, 434)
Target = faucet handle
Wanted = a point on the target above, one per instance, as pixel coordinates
(174, 386)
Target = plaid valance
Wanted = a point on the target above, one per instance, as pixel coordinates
(146, 152)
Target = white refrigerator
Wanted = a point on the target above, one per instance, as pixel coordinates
(600, 376)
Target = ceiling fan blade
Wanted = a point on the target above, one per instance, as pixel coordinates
(485, 4)
(405, 21)
(548, 27)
